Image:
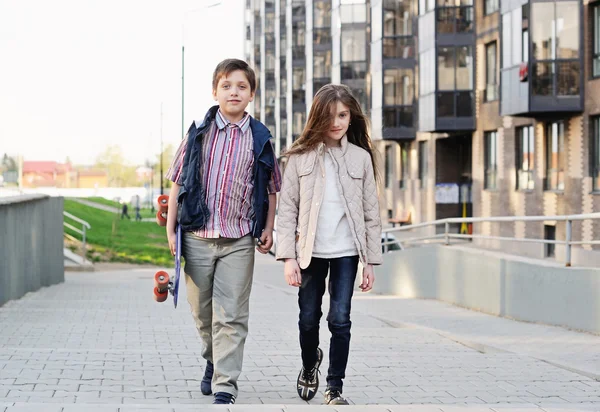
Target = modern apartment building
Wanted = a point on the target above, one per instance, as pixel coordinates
(477, 107)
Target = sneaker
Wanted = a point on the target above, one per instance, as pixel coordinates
(308, 379)
(205, 385)
(224, 398)
(333, 396)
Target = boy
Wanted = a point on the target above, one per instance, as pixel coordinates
(225, 179)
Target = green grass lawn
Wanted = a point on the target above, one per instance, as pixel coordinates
(104, 201)
(114, 240)
(144, 211)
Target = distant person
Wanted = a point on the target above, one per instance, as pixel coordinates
(138, 216)
(124, 212)
(223, 207)
(328, 221)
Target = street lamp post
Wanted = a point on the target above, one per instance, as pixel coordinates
(208, 6)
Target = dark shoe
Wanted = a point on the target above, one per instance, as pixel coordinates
(333, 396)
(308, 379)
(205, 385)
(224, 398)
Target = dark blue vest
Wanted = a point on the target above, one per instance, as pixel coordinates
(193, 211)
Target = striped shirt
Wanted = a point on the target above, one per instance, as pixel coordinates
(227, 175)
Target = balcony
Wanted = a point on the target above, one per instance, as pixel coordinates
(542, 74)
(399, 122)
(542, 87)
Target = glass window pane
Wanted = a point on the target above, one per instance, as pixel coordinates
(398, 88)
(596, 24)
(567, 29)
(445, 104)
(322, 64)
(464, 19)
(446, 68)
(464, 68)
(397, 19)
(446, 20)
(398, 48)
(464, 104)
(525, 46)
(543, 74)
(322, 14)
(354, 42)
(567, 78)
(543, 30)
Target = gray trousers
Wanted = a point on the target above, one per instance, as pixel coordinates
(218, 280)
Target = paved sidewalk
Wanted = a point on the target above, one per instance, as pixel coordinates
(100, 343)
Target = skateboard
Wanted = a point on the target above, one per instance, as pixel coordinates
(163, 284)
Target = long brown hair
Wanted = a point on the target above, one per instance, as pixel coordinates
(320, 117)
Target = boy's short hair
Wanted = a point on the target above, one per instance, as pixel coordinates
(227, 66)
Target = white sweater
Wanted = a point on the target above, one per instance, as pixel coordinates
(333, 238)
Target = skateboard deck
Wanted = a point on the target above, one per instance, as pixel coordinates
(163, 284)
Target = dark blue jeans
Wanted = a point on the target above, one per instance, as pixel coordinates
(342, 274)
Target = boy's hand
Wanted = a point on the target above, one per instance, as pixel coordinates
(368, 277)
(172, 237)
(292, 272)
(265, 242)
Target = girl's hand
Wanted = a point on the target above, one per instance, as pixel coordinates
(172, 236)
(292, 272)
(368, 278)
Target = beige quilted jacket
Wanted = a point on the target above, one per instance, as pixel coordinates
(301, 195)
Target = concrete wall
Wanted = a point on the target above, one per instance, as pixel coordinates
(498, 284)
(31, 244)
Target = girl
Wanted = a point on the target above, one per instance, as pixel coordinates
(329, 220)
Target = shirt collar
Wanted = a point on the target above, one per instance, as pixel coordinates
(222, 122)
(336, 151)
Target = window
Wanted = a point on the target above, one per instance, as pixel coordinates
(455, 82)
(491, 160)
(491, 73)
(525, 158)
(398, 97)
(298, 123)
(404, 164)
(525, 46)
(398, 47)
(555, 41)
(555, 156)
(353, 12)
(454, 16)
(398, 87)
(455, 68)
(354, 45)
(490, 6)
(595, 153)
(389, 175)
(423, 164)
(596, 40)
(322, 14)
(322, 65)
(397, 19)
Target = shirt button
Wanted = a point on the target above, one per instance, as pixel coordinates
(317, 204)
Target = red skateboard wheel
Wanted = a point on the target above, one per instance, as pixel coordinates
(161, 218)
(163, 203)
(161, 281)
(160, 296)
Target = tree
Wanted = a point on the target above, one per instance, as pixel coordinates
(120, 173)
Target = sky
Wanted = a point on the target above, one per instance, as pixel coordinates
(79, 75)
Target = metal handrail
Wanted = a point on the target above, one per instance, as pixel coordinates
(568, 242)
(84, 227)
